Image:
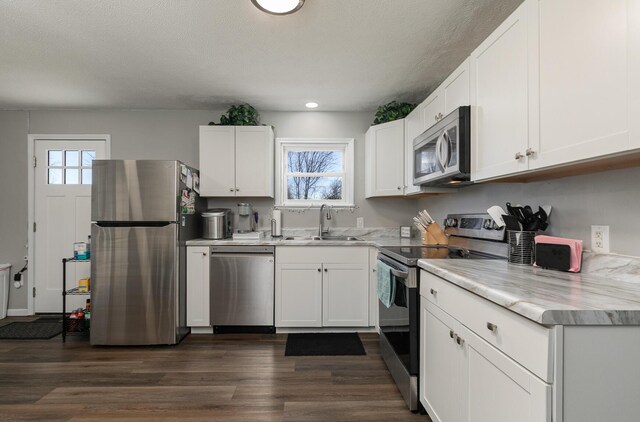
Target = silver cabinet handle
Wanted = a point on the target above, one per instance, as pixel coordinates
(399, 187)
(325, 270)
(519, 156)
(237, 190)
(433, 292)
(319, 270)
(451, 333)
(529, 152)
(459, 340)
(492, 327)
(231, 190)
(204, 254)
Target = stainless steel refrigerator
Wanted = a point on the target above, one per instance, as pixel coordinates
(142, 213)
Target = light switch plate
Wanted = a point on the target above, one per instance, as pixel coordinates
(405, 231)
(360, 222)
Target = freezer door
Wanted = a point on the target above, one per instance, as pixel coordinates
(135, 190)
(134, 283)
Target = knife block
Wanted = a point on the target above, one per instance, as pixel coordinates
(434, 235)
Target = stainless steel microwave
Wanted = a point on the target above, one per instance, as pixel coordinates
(442, 153)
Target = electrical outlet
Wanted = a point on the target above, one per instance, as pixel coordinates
(600, 239)
(360, 222)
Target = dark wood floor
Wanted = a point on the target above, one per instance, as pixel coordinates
(208, 378)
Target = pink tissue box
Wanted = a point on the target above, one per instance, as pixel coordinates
(574, 245)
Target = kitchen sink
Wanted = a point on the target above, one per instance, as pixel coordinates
(327, 238)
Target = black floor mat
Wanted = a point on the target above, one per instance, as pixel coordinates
(37, 330)
(324, 344)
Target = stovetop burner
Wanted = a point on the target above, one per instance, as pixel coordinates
(409, 255)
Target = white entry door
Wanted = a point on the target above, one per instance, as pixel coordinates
(62, 210)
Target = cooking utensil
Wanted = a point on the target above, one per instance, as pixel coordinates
(511, 222)
(496, 212)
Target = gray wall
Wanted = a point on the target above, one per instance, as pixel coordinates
(608, 198)
(166, 134)
(376, 212)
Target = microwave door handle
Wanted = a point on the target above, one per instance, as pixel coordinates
(447, 149)
(439, 152)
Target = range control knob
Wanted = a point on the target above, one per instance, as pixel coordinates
(488, 224)
(454, 223)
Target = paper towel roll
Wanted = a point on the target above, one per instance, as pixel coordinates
(276, 223)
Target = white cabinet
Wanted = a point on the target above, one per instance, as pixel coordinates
(497, 389)
(455, 90)
(584, 80)
(236, 161)
(384, 161)
(298, 295)
(198, 286)
(433, 109)
(413, 127)
(320, 286)
(345, 295)
(441, 365)
(634, 71)
(500, 98)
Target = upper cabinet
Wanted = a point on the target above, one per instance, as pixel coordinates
(413, 126)
(456, 89)
(499, 70)
(584, 78)
(385, 159)
(433, 109)
(236, 161)
(556, 84)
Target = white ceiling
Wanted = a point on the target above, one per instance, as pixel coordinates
(197, 54)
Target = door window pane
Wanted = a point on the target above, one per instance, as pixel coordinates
(71, 177)
(87, 158)
(320, 188)
(71, 159)
(55, 176)
(55, 159)
(86, 176)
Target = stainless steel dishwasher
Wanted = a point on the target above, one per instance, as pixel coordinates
(242, 289)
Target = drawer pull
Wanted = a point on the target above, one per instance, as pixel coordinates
(492, 327)
(433, 292)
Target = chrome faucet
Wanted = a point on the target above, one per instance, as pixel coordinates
(321, 230)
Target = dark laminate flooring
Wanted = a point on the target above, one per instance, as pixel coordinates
(209, 378)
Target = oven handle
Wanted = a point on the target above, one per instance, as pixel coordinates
(400, 274)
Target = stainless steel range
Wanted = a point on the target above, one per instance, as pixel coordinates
(471, 236)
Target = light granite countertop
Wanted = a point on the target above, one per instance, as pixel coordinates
(377, 237)
(606, 292)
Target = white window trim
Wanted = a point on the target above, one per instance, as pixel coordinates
(320, 143)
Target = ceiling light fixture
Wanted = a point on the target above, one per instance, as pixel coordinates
(311, 105)
(278, 7)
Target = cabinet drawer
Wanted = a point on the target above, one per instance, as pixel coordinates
(526, 342)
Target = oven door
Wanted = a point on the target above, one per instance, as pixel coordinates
(399, 324)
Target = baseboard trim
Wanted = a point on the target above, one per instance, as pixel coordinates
(201, 330)
(18, 312)
(292, 330)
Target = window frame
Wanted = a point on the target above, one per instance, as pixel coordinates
(346, 145)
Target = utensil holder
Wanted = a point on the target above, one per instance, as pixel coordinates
(521, 247)
(434, 235)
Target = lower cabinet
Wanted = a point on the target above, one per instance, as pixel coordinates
(464, 378)
(298, 295)
(322, 287)
(198, 286)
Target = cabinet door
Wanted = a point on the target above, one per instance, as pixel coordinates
(498, 389)
(440, 365)
(299, 295)
(433, 109)
(584, 80)
(385, 159)
(217, 161)
(413, 126)
(455, 89)
(500, 99)
(345, 295)
(634, 71)
(198, 286)
(254, 161)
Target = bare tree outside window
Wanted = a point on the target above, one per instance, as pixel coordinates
(314, 186)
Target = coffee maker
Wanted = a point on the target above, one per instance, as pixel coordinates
(246, 219)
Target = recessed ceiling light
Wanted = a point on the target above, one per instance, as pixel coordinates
(278, 7)
(311, 105)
